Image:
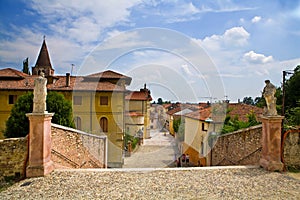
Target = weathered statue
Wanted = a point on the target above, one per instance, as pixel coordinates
(269, 95)
(40, 94)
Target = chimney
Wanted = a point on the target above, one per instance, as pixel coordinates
(68, 79)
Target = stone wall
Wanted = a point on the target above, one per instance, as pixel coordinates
(291, 150)
(13, 154)
(72, 148)
(241, 147)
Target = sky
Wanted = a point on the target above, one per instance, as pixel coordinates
(186, 51)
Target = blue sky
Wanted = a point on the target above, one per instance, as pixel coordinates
(241, 43)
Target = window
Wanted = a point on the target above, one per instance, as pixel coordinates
(77, 100)
(12, 99)
(77, 121)
(104, 124)
(104, 100)
(203, 127)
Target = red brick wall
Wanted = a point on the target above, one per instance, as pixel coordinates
(75, 149)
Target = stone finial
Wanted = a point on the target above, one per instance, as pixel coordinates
(269, 95)
(39, 95)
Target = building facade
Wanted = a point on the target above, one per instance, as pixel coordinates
(98, 100)
(138, 112)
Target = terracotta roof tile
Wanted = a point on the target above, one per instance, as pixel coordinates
(134, 114)
(108, 75)
(178, 107)
(201, 114)
(11, 73)
(241, 110)
(236, 109)
(138, 95)
(76, 83)
(167, 105)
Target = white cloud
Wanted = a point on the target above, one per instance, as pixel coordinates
(256, 58)
(256, 19)
(83, 21)
(74, 28)
(234, 37)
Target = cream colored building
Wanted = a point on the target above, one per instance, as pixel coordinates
(196, 136)
(138, 112)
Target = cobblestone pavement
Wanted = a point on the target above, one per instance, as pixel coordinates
(167, 183)
(157, 152)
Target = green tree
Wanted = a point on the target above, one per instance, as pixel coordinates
(260, 102)
(178, 126)
(293, 115)
(160, 101)
(17, 124)
(56, 103)
(231, 125)
(292, 91)
(25, 66)
(248, 100)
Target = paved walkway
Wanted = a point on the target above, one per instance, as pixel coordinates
(166, 183)
(157, 152)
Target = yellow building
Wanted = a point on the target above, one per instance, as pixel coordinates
(138, 112)
(98, 100)
(195, 137)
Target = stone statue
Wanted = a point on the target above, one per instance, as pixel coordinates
(40, 94)
(269, 95)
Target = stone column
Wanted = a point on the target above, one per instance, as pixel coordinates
(271, 143)
(39, 161)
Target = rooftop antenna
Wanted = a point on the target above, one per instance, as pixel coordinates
(72, 66)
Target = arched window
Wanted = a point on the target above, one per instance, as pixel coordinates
(104, 124)
(77, 121)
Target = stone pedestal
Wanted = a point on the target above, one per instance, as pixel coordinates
(271, 143)
(39, 163)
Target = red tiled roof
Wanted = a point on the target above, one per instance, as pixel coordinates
(76, 83)
(241, 110)
(236, 109)
(108, 75)
(139, 96)
(178, 108)
(167, 105)
(8, 73)
(201, 115)
(134, 114)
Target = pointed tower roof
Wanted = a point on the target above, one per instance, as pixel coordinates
(43, 58)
